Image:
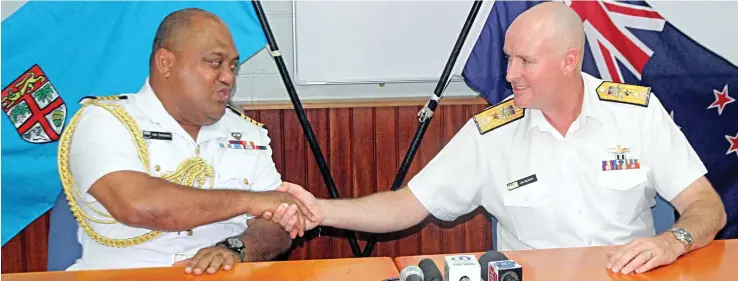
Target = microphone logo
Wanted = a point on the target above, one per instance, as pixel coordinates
(460, 258)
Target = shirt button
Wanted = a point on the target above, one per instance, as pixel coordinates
(245, 181)
(590, 243)
(157, 168)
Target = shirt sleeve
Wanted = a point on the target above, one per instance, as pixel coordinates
(100, 145)
(448, 187)
(267, 176)
(674, 163)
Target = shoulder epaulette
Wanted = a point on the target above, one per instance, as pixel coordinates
(103, 98)
(624, 93)
(239, 113)
(497, 116)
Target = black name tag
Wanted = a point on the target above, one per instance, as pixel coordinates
(522, 182)
(149, 135)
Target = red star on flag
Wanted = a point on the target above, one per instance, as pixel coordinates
(721, 99)
(733, 144)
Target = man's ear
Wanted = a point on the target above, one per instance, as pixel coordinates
(164, 60)
(571, 60)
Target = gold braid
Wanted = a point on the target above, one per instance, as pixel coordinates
(187, 173)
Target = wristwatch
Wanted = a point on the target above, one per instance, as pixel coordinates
(683, 236)
(234, 244)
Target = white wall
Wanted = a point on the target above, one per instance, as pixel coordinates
(260, 75)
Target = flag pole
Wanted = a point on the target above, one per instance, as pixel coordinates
(302, 117)
(426, 114)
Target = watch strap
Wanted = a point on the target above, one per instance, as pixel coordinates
(684, 237)
(240, 252)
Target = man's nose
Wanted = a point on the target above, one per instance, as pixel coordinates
(512, 71)
(227, 77)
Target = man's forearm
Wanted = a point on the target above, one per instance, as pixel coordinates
(157, 204)
(703, 219)
(377, 213)
(265, 240)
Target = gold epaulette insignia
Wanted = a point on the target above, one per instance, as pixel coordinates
(103, 98)
(498, 115)
(239, 113)
(624, 93)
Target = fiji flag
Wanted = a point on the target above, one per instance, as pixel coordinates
(54, 53)
(680, 49)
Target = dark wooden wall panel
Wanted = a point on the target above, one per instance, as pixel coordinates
(26, 252)
(386, 162)
(364, 148)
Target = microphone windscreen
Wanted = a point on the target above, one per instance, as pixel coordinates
(411, 273)
(430, 270)
(488, 257)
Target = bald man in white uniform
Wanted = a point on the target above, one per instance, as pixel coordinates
(569, 160)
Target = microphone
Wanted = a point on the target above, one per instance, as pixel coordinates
(497, 267)
(411, 273)
(430, 270)
(461, 268)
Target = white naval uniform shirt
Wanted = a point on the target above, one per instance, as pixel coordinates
(573, 203)
(101, 145)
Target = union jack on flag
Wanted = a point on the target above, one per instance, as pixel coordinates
(649, 43)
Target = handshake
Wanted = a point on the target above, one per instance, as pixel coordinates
(297, 210)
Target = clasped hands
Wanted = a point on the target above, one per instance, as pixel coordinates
(291, 206)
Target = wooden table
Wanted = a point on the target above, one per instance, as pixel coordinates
(356, 269)
(715, 262)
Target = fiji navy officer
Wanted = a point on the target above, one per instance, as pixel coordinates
(568, 160)
(169, 175)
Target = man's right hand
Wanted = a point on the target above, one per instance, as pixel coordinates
(286, 216)
(270, 201)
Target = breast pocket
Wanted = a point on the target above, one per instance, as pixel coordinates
(235, 170)
(623, 194)
(530, 211)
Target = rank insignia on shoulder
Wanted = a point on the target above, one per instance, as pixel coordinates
(624, 93)
(498, 115)
(239, 113)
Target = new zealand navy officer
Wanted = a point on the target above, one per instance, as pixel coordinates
(568, 160)
(170, 175)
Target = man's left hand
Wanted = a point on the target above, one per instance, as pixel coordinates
(209, 260)
(644, 254)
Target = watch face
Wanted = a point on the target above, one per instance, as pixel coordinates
(235, 242)
(683, 235)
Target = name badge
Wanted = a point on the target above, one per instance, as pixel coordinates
(151, 135)
(522, 182)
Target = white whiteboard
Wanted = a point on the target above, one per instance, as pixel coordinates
(378, 41)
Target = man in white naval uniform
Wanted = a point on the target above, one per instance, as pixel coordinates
(568, 161)
(169, 175)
